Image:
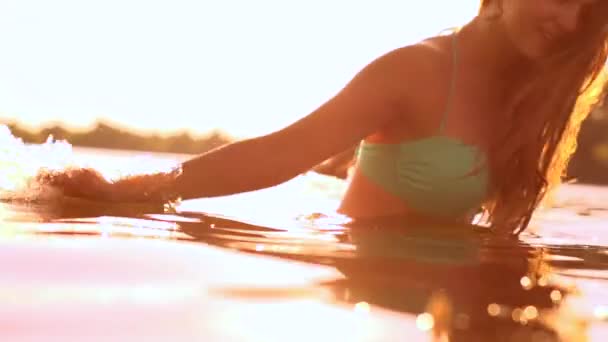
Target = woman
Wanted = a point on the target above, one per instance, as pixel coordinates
(485, 117)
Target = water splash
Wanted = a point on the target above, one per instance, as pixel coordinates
(21, 162)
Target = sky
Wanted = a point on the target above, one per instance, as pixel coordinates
(246, 67)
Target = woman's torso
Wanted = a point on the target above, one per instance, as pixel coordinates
(450, 102)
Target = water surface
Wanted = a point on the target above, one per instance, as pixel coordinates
(278, 264)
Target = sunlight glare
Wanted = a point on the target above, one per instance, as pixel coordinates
(20, 163)
(186, 70)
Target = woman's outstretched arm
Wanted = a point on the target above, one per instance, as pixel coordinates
(371, 100)
(368, 102)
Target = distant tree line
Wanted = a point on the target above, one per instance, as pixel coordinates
(104, 135)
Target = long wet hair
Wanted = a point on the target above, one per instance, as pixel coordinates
(531, 148)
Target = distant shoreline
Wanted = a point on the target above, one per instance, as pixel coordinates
(108, 136)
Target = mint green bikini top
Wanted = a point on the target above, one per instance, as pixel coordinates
(438, 175)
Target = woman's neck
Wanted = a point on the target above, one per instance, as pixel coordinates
(485, 45)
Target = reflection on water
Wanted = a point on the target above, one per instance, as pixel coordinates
(456, 286)
(443, 283)
(465, 287)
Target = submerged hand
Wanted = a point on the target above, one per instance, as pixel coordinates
(78, 182)
(90, 184)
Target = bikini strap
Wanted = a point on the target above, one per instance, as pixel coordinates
(452, 83)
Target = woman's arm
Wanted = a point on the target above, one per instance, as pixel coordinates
(371, 100)
(368, 102)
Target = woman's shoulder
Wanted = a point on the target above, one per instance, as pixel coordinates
(419, 66)
(422, 58)
(427, 51)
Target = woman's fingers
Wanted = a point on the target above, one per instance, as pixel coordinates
(81, 182)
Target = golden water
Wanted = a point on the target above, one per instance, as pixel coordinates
(279, 264)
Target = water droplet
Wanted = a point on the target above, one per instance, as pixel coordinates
(425, 321)
(516, 314)
(556, 296)
(526, 282)
(530, 313)
(494, 309)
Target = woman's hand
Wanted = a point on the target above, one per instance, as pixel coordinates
(77, 182)
(90, 184)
